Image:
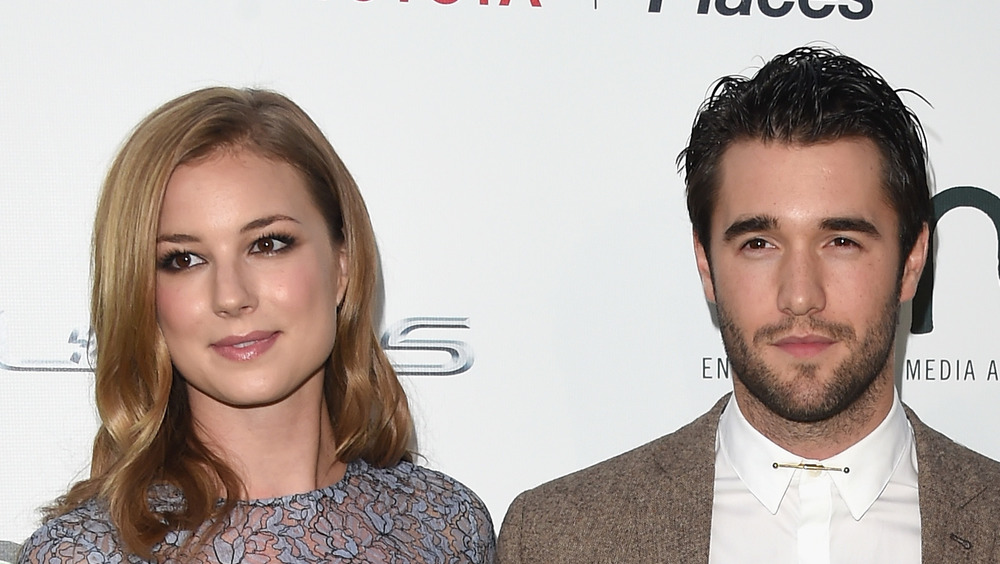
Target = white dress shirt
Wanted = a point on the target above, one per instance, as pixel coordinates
(867, 512)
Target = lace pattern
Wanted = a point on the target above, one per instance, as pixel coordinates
(405, 514)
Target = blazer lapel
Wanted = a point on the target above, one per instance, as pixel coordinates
(687, 459)
(957, 488)
(957, 500)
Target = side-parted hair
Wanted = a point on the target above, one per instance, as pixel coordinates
(147, 435)
(810, 95)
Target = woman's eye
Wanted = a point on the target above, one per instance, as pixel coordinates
(270, 244)
(180, 261)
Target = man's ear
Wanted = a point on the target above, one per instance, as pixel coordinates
(704, 269)
(913, 266)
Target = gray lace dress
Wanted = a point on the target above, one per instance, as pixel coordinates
(402, 514)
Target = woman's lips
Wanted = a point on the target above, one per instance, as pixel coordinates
(804, 347)
(245, 347)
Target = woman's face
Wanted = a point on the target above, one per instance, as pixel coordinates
(247, 283)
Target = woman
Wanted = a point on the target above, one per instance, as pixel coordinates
(248, 413)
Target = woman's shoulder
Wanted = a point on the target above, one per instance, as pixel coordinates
(86, 533)
(83, 534)
(428, 485)
(436, 503)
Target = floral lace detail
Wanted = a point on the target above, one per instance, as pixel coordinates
(404, 514)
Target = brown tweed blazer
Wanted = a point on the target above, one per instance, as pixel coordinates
(654, 504)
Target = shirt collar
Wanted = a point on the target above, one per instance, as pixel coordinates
(872, 461)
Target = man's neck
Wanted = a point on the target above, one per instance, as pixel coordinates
(821, 439)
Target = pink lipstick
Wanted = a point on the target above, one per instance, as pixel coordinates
(245, 347)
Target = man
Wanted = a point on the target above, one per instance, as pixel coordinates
(808, 193)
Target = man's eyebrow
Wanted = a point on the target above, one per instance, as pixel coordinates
(750, 225)
(855, 224)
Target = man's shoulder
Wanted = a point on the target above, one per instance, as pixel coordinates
(959, 498)
(683, 451)
(940, 453)
(650, 504)
(615, 473)
(947, 465)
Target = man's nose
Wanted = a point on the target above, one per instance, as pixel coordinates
(801, 285)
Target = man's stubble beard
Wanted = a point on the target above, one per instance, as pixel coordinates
(852, 378)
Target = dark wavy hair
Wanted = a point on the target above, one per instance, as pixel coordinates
(810, 95)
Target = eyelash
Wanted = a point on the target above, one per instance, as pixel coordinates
(749, 245)
(844, 242)
(168, 261)
(284, 238)
(839, 241)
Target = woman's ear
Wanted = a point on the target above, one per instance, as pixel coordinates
(343, 274)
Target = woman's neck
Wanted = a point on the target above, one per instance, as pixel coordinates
(277, 450)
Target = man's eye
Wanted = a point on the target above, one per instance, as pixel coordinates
(756, 244)
(271, 244)
(181, 260)
(843, 242)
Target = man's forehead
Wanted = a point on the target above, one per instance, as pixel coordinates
(791, 182)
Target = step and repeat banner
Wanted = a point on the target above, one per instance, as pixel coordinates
(518, 160)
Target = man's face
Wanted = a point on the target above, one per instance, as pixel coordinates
(805, 273)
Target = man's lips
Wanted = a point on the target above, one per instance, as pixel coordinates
(804, 346)
(245, 347)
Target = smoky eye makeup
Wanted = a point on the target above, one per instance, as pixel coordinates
(273, 243)
(178, 260)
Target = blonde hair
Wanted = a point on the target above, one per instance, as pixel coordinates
(146, 435)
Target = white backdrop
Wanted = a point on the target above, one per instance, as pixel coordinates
(518, 162)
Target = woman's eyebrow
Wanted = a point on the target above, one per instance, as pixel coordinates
(176, 238)
(255, 224)
(265, 221)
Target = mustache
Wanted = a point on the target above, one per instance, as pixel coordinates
(835, 331)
